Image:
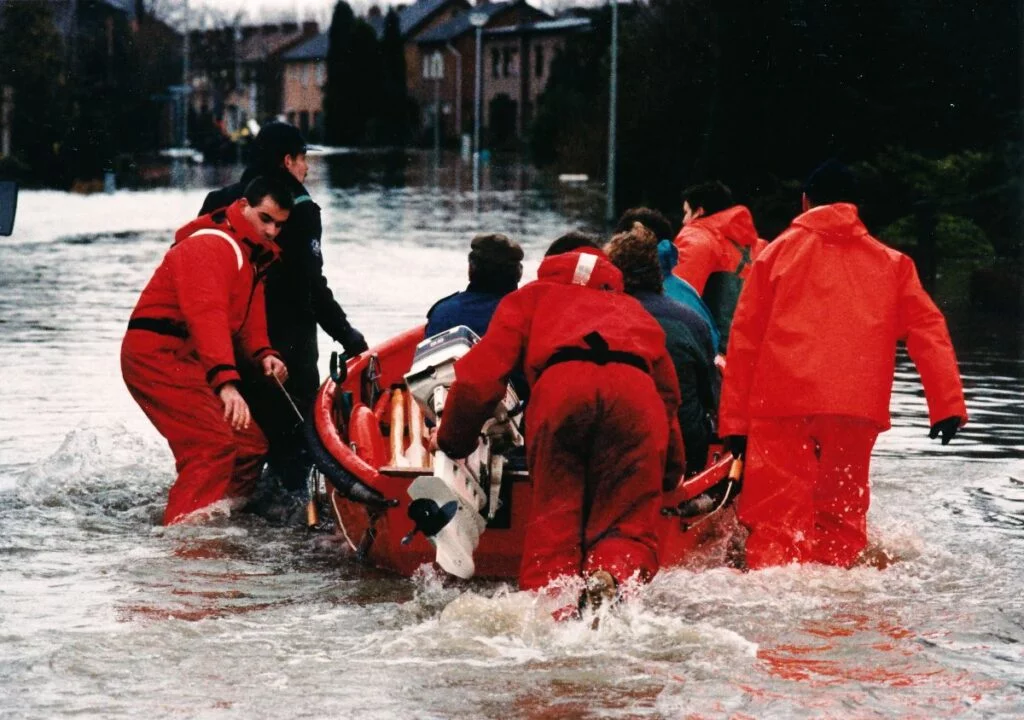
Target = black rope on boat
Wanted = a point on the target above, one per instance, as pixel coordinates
(343, 481)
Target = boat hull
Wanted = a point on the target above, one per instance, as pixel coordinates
(377, 533)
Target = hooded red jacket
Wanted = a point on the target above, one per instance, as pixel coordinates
(575, 293)
(705, 248)
(816, 328)
(209, 286)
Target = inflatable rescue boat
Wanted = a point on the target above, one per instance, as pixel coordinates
(399, 507)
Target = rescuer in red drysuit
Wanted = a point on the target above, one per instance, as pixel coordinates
(811, 363)
(204, 302)
(602, 433)
(716, 244)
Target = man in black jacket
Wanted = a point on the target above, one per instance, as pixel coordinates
(297, 299)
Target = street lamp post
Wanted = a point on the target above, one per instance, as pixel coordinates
(477, 20)
(185, 85)
(613, 86)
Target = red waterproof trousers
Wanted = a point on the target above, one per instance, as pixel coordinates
(805, 489)
(214, 462)
(597, 439)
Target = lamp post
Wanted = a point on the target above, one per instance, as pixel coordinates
(613, 86)
(477, 20)
(185, 85)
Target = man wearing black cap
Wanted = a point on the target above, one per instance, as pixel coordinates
(297, 300)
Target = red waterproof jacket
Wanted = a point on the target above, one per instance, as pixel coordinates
(575, 294)
(816, 328)
(210, 287)
(708, 245)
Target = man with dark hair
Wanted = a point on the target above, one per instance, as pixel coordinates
(602, 436)
(668, 256)
(572, 240)
(716, 244)
(635, 253)
(495, 268)
(297, 300)
(811, 364)
(178, 356)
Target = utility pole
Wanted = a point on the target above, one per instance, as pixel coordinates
(186, 87)
(613, 81)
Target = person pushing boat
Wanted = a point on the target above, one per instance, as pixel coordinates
(178, 355)
(602, 435)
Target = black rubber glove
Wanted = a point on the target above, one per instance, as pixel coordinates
(354, 343)
(947, 428)
(736, 444)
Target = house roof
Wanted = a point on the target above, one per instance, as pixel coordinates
(563, 24)
(262, 44)
(410, 17)
(460, 23)
(313, 49)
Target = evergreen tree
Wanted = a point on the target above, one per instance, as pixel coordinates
(393, 106)
(338, 74)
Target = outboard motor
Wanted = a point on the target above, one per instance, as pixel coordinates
(448, 506)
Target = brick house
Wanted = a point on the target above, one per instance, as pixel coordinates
(305, 72)
(518, 42)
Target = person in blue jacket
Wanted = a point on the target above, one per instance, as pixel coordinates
(495, 268)
(674, 287)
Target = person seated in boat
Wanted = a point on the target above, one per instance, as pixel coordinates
(811, 361)
(716, 244)
(602, 434)
(668, 256)
(178, 356)
(635, 254)
(495, 269)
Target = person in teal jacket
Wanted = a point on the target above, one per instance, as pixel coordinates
(674, 287)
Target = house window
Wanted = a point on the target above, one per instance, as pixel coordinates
(506, 62)
(538, 61)
(495, 62)
(304, 76)
(321, 70)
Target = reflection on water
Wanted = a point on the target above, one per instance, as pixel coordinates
(105, 614)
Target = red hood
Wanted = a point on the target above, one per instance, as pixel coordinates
(232, 221)
(836, 222)
(577, 268)
(736, 224)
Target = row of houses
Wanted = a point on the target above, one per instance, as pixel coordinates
(280, 70)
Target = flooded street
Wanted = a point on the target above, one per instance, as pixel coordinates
(103, 613)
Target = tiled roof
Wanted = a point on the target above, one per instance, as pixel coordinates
(410, 17)
(259, 45)
(313, 49)
(460, 23)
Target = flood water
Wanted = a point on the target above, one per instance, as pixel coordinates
(103, 613)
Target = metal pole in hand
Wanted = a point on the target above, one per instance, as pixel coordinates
(312, 514)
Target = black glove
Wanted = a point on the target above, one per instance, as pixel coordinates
(354, 343)
(947, 428)
(736, 444)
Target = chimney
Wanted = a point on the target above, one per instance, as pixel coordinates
(310, 27)
(373, 12)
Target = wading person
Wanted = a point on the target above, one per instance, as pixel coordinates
(601, 430)
(811, 363)
(297, 300)
(716, 245)
(635, 254)
(178, 356)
